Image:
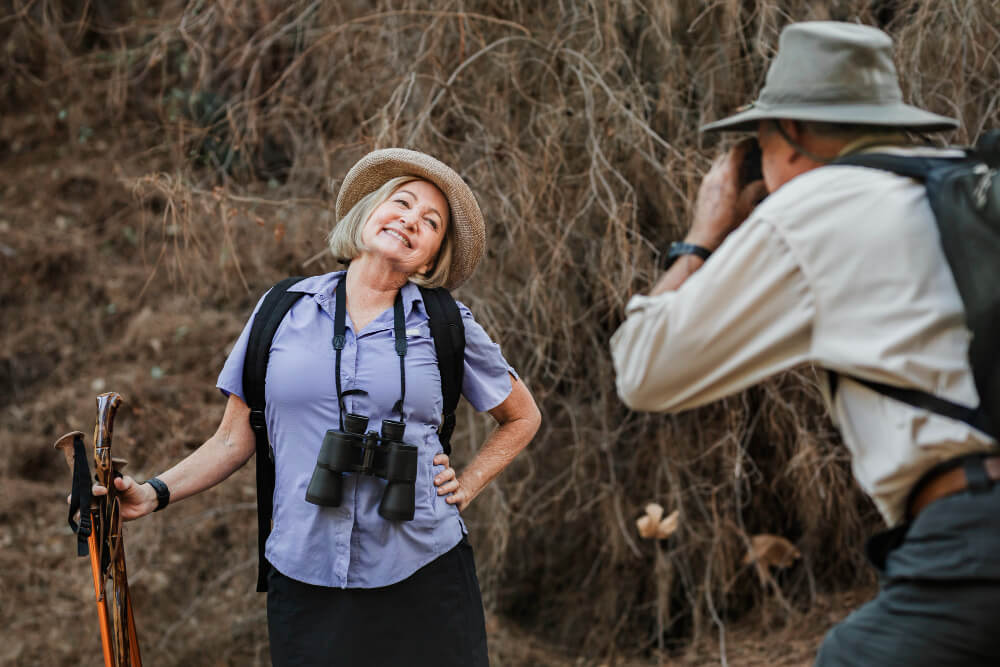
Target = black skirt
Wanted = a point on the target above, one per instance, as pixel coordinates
(434, 617)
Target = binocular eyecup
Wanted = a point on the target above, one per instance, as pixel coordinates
(355, 451)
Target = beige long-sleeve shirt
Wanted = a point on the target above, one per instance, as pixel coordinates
(841, 267)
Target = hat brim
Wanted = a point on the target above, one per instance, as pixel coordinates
(895, 115)
(468, 227)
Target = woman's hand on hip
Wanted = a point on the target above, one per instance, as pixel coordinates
(448, 483)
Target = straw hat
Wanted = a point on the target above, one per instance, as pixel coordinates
(469, 231)
(833, 72)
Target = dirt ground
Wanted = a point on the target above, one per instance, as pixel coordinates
(742, 645)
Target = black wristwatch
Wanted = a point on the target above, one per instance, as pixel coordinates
(678, 248)
(162, 492)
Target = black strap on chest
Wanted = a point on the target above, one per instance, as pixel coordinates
(447, 331)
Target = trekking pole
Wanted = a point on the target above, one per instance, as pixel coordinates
(100, 523)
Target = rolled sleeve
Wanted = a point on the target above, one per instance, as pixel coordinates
(745, 315)
(486, 382)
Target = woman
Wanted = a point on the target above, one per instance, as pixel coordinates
(347, 586)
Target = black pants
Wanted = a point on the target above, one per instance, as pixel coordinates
(939, 603)
(434, 617)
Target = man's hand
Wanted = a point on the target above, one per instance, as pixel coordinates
(722, 205)
(724, 202)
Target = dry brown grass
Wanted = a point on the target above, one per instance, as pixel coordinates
(165, 162)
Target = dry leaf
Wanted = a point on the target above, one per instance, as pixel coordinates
(652, 527)
(770, 550)
(668, 526)
(647, 529)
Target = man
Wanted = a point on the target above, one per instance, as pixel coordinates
(841, 266)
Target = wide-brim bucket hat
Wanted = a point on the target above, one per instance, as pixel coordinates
(833, 72)
(468, 228)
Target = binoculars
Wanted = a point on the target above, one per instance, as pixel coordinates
(355, 451)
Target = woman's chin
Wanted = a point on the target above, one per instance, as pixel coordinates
(392, 259)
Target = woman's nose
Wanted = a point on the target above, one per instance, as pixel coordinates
(409, 220)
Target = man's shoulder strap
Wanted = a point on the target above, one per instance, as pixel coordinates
(270, 314)
(448, 332)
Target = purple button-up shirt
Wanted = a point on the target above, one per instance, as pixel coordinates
(351, 546)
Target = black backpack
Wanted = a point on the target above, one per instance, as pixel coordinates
(964, 194)
(447, 331)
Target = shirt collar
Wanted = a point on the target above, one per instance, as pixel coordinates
(870, 141)
(897, 144)
(324, 286)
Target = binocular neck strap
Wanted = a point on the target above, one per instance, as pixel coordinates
(399, 333)
(339, 329)
(339, 339)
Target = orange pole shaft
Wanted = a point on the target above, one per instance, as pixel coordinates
(102, 609)
(133, 639)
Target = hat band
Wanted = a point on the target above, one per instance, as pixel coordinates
(837, 94)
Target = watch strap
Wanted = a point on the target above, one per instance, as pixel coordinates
(678, 248)
(162, 492)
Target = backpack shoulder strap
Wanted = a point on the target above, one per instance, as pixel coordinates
(265, 323)
(988, 148)
(975, 417)
(449, 342)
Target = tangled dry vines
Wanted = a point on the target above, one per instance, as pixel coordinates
(193, 151)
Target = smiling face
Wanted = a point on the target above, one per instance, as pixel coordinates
(407, 228)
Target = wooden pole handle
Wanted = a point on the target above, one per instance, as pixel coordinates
(107, 407)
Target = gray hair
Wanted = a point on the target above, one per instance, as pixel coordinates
(345, 242)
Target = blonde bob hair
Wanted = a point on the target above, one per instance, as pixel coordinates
(345, 237)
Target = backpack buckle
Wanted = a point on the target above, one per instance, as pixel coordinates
(257, 422)
(981, 191)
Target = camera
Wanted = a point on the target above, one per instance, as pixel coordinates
(750, 168)
(353, 450)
